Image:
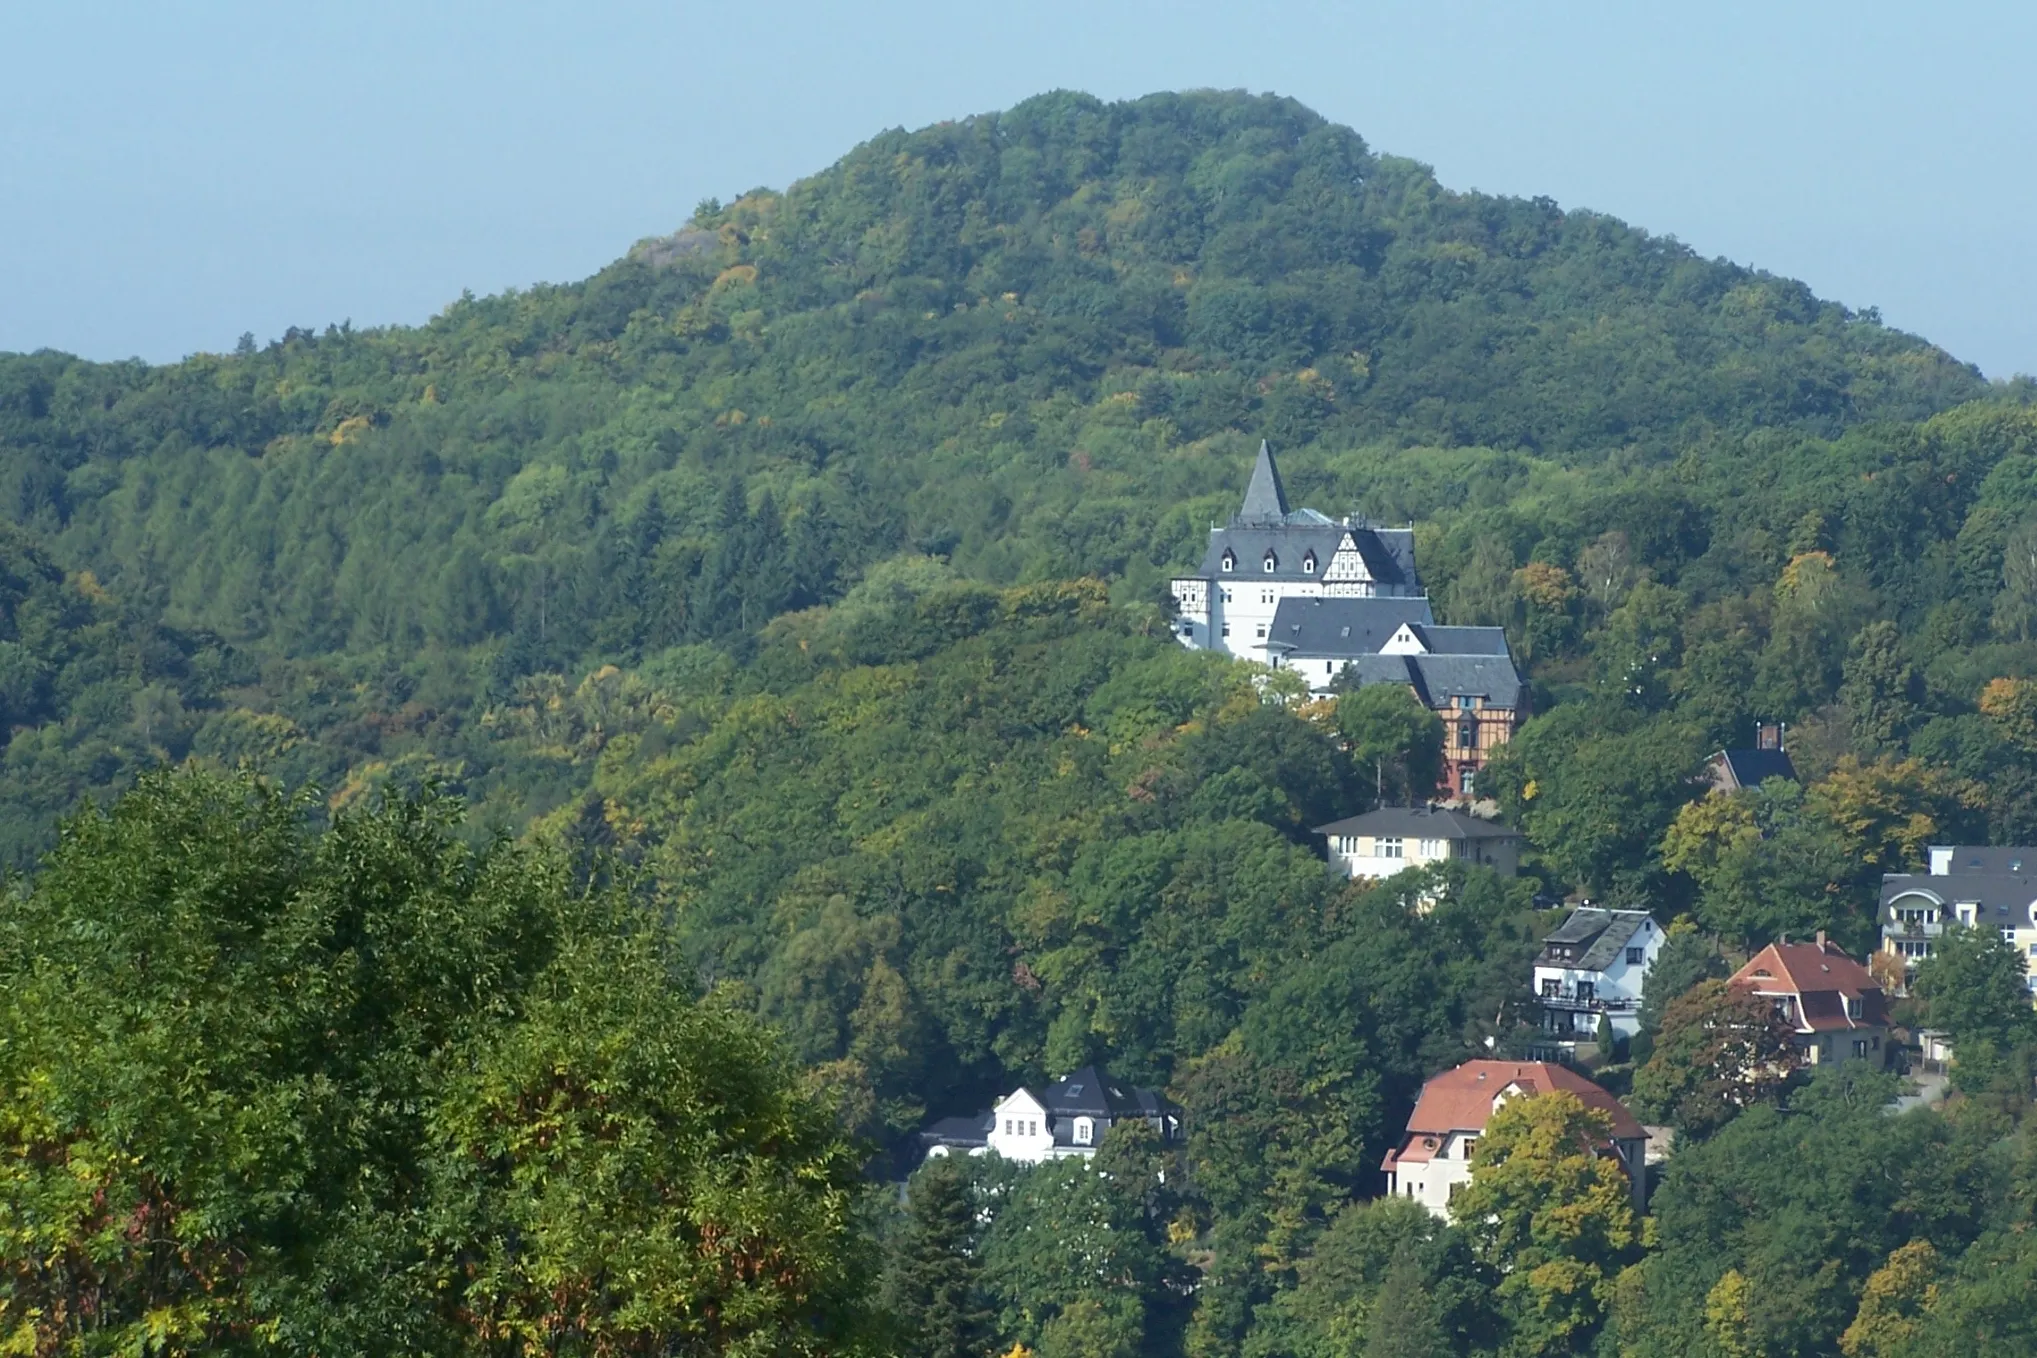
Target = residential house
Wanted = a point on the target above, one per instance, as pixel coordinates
(1595, 964)
(1465, 675)
(1732, 770)
(1982, 888)
(1395, 838)
(1066, 1119)
(1833, 1005)
(1433, 1159)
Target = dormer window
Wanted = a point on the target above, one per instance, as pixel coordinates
(1271, 562)
(1308, 564)
(1230, 561)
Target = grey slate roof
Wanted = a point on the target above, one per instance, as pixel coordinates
(1266, 497)
(1090, 1092)
(964, 1132)
(1328, 628)
(1265, 522)
(1990, 858)
(1752, 768)
(1600, 934)
(2000, 895)
(1437, 679)
(1419, 822)
(1290, 544)
(1463, 640)
(1440, 678)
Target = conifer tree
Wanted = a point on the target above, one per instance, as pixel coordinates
(1404, 1323)
(931, 1285)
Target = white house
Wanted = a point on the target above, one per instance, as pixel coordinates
(1981, 888)
(1595, 964)
(1393, 839)
(1065, 1120)
(1269, 553)
(1433, 1160)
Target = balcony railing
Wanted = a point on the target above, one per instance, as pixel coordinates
(1904, 929)
(1590, 1004)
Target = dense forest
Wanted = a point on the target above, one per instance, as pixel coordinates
(787, 602)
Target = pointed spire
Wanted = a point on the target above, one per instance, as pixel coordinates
(1265, 498)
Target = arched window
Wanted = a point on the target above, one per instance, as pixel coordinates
(1229, 560)
(1308, 564)
(1271, 562)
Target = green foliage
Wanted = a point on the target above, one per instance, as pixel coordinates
(1973, 986)
(1767, 1232)
(1719, 1051)
(1553, 1214)
(1390, 735)
(276, 1086)
(804, 560)
(1595, 796)
(931, 1284)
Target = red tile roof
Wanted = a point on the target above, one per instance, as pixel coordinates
(1461, 1100)
(1822, 978)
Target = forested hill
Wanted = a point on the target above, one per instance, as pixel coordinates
(1036, 344)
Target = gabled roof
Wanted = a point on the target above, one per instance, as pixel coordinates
(1461, 1100)
(1997, 893)
(1418, 822)
(1463, 640)
(1594, 938)
(959, 1132)
(1964, 860)
(1734, 769)
(1290, 544)
(1437, 679)
(1090, 1092)
(1822, 978)
(1330, 628)
(1265, 497)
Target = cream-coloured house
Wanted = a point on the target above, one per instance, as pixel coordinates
(1393, 839)
(1433, 1160)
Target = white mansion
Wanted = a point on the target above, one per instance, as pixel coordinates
(1270, 553)
(1066, 1120)
(1323, 597)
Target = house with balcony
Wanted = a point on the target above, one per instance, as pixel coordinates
(1393, 839)
(1432, 1160)
(1065, 1120)
(1979, 887)
(1834, 1007)
(1595, 965)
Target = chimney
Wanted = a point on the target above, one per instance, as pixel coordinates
(1821, 940)
(1767, 735)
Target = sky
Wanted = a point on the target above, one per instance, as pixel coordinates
(174, 176)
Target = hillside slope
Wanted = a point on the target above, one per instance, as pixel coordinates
(1036, 343)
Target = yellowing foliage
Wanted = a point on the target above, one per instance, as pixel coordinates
(350, 429)
(1544, 585)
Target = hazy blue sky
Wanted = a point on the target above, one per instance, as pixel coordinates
(171, 176)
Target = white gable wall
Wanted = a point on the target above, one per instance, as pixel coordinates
(1020, 1129)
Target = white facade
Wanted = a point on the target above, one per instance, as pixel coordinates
(1991, 888)
(1233, 612)
(1574, 991)
(1434, 1181)
(1270, 552)
(1020, 1130)
(1381, 856)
